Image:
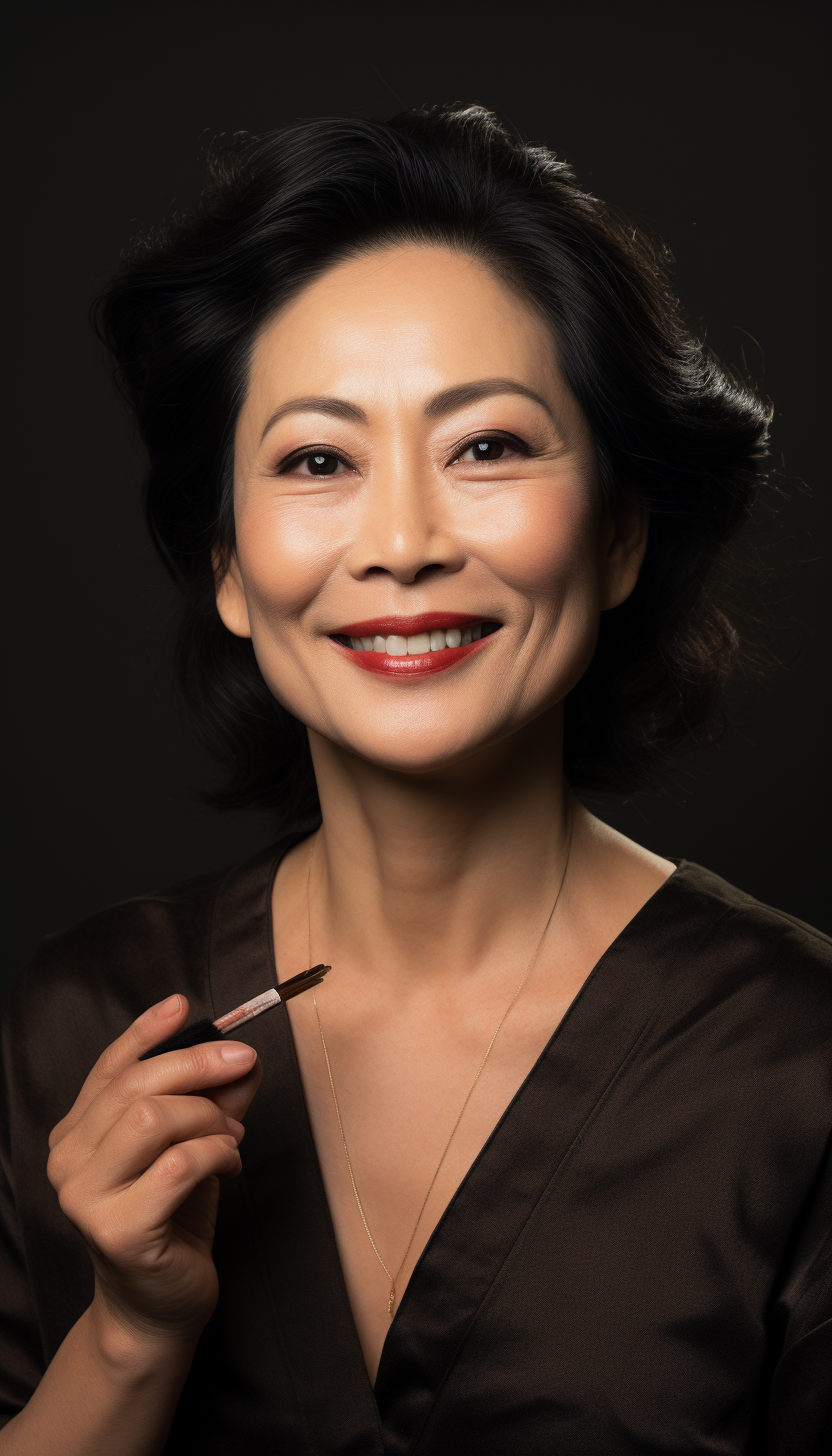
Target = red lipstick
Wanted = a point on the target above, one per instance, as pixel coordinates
(412, 665)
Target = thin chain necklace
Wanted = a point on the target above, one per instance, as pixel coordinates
(391, 1302)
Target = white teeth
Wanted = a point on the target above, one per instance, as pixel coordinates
(418, 644)
(421, 642)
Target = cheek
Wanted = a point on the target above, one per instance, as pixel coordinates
(543, 544)
(541, 540)
(286, 552)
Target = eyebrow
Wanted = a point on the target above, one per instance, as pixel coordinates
(435, 409)
(318, 404)
(462, 394)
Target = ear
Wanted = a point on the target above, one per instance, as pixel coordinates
(230, 593)
(623, 544)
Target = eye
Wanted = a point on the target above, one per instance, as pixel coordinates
(316, 462)
(319, 462)
(491, 447)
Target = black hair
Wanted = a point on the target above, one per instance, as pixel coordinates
(671, 426)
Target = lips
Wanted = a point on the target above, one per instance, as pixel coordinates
(410, 647)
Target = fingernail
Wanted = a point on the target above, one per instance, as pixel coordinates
(167, 1007)
(237, 1129)
(238, 1054)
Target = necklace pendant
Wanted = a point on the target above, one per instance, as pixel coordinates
(392, 1300)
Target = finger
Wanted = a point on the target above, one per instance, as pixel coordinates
(149, 1126)
(210, 1064)
(154, 1198)
(154, 1025)
(235, 1097)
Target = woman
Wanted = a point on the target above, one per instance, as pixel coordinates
(540, 1166)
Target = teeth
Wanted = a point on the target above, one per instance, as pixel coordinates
(420, 643)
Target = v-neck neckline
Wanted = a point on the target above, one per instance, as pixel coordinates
(515, 1168)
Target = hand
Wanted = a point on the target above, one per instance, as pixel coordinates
(136, 1164)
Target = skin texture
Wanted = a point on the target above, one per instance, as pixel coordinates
(447, 823)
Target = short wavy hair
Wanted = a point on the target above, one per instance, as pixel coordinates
(671, 425)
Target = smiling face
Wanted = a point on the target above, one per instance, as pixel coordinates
(421, 548)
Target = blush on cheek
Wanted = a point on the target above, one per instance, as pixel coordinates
(540, 538)
(286, 555)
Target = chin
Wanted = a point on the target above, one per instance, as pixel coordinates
(419, 748)
(410, 749)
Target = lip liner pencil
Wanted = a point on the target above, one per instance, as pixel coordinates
(199, 1031)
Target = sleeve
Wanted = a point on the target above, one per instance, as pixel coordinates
(21, 1349)
(45, 1270)
(79, 991)
(798, 1418)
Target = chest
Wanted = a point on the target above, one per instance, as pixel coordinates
(570, 1292)
(400, 1105)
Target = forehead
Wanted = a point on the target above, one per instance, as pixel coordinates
(407, 319)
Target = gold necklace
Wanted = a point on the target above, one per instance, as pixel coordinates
(393, 1277)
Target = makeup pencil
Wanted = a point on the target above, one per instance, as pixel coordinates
(199, 1031)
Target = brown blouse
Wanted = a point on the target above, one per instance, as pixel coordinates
(639, 1260)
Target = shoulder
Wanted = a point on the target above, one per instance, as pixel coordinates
(689, 916)
(132, 944)
(770, 972)
(748, 928)
(85, 984)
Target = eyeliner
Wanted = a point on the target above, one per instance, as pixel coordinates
(200, 1031)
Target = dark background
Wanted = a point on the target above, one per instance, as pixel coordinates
(703, 120)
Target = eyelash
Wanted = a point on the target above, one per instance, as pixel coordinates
(495, 436)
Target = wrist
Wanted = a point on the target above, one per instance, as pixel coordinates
(133, 1351)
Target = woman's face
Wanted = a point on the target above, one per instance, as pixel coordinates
(421, 548)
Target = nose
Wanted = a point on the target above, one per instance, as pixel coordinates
(405, 529)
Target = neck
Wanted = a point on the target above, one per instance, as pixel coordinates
(416, 876)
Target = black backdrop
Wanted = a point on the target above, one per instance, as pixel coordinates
(702, 119)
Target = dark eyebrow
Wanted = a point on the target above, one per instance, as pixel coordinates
(440, 405)
(322, 404)
(462, 394)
